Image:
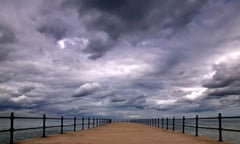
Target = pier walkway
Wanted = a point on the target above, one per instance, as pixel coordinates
(122, 133)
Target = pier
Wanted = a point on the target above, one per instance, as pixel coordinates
(91, 130)
(122, 133)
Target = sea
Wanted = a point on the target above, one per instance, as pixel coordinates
(26, 134)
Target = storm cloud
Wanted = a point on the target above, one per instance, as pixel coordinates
(131, 17)
(128, 58)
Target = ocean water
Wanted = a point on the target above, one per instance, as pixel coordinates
(20, 123)
(27, 123)
(213, 134)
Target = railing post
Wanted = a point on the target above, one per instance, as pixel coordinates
(183, 124)
(162, 123)
(196, 128)
(158, 122)
(74, 123)
(88, 123)
(155, 120)
(62, 125)
(110, 120)
(82, 123)
(11, 127)
(167, 123)
(220, 127)
(93, 122)
(173, 127)
(44, 125)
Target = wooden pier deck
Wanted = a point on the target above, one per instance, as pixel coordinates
(122, 133)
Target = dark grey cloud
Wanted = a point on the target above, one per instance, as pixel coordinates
(26, 89)
(226, 80)
(98, 47)
(131, 17)
(54, 29)
(4, 78)
(4, 53)
(117, 100)
(6, 35)
(132, 102)
(226, 75)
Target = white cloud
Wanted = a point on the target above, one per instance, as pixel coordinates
(86, 89)
(18, 99)
(77, 42)
(195, 93)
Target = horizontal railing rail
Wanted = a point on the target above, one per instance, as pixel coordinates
(182, 123)
(74, 122)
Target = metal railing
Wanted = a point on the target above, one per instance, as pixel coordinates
(84, 123)
(165, 123)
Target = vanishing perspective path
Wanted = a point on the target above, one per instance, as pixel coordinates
(122, 133)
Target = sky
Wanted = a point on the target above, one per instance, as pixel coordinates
(120, 58)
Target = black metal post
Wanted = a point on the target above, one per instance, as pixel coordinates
(162, 123)
(110, 120)
(173, 127)
(11, 127)
(183, 125)
(220, 127)
(44, 125)
(74, 123)
(196, 128)
(167, 123)
(62, 125)
(93, 122)
(158, 122)
(82, 123)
